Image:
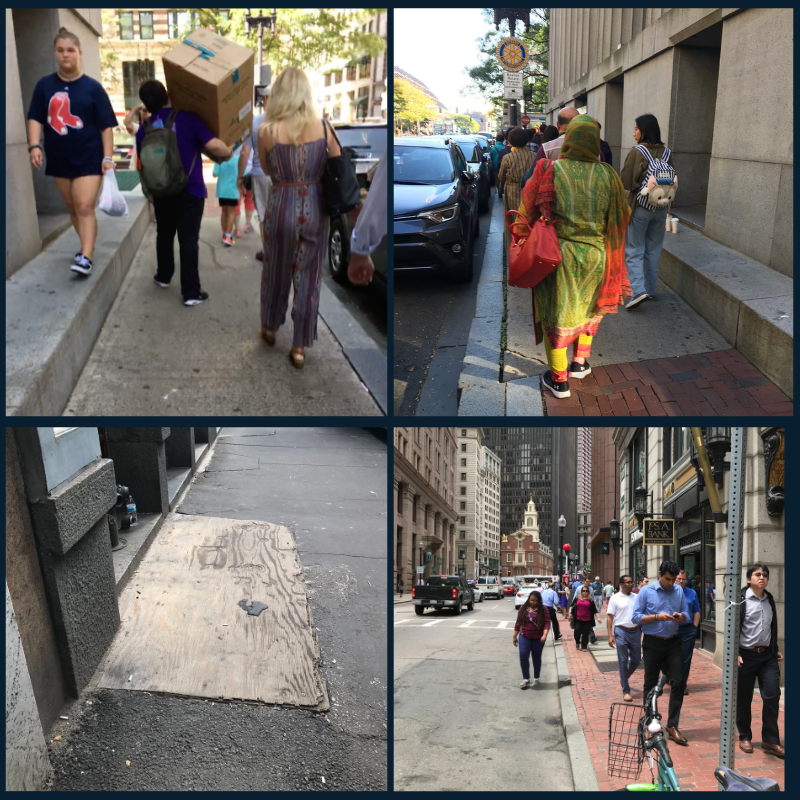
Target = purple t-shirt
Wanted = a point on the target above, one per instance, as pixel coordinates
(193, 135)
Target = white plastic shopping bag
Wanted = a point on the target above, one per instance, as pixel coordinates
(111, 200)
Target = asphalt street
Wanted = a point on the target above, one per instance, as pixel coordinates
(461, 720)
(432, 319)
(301, 478)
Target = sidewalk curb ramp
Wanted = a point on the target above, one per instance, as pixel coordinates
(750, 304)
(53, 317)
(584, 778)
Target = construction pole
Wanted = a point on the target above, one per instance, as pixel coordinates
(733, 577)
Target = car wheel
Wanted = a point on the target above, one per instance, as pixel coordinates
(471, 606)
(483, 201)
(338, 251)
(468, 267)
(419, 610)
(458, 608)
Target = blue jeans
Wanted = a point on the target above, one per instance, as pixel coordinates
(530, 648)
(629, 653)
(643, 242)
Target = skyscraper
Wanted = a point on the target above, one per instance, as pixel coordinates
(542, 463)
(584, 470)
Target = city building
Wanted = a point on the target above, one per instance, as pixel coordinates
(663, 462)
(605, 504)
(355, 90)
(35, 210)
(438, 108)
(522, 551)
(538, 463)
(584, 537)
(478, 498)
(701, 72)
(425, 512)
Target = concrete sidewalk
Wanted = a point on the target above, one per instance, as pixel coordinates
(155, 356)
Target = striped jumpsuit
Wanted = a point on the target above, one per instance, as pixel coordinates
(295, 239)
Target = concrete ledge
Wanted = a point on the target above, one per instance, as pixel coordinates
(137, 435)
(53, 317)
(564, 678)
(138, 540)
(751, 305)
(583, 775)
(67, 514)
(177, 479)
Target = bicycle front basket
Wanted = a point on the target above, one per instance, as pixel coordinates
(625, 754)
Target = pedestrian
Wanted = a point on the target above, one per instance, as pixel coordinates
(512, 167)
(293, 147)
(550, 149)
(180, 213)
(645, 234)
(550, 133)
(576, 585)
(531, 144)
(623, 634)
(261, 183)
(530, 631)
(659, 608)
(608, 590)
(371, 227)
(537, 134)
(550, 602)
(564, 598)
(597, 591)
(605, 149)
(583, 615)
(78, 122)
(227, 197)
(400, 586)
(494, 155)
(758, 658)
(687, 631)
(635, 589)
(586, 200)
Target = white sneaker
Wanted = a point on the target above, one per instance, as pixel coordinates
(524, 684)
(535, 682)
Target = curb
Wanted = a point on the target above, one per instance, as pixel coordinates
(365, 357)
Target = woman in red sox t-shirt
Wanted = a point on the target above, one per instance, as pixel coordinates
(78, 121)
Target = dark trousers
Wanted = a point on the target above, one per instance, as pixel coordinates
(554, 621)
(181, 214)
(688, 636)
(530, 648)
(763, 666)
(583, 631)
(665, 655)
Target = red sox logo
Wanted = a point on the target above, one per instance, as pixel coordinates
(59, 117)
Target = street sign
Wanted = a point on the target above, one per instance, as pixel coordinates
(526, 120)
(512, 85)
(512, 54)
(420, 570)
(659, 532)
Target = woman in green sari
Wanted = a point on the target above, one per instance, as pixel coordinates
(586, 200)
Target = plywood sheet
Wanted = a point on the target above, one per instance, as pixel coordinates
(186, 631)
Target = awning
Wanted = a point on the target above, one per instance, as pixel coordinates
(359, 100)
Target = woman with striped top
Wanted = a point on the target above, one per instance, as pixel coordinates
(533, 623)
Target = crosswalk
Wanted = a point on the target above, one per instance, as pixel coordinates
(457, 622)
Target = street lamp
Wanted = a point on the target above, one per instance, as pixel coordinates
(718, 442)
(616, 539)
(640, 495)
(258, 22)
(419, 563)
(562, 523)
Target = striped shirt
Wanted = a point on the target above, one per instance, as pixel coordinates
(530, 630)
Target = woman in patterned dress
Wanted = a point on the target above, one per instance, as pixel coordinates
(293, 145)
(586, 200)
(512, 167)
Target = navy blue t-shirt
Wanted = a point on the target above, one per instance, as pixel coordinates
(74, 114)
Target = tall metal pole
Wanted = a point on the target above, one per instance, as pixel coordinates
(260, 48)
(733, 576)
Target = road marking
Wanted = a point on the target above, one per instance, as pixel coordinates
(431, 623)
(401, 621)
(468, 623)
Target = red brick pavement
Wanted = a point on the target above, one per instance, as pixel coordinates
(721, 383)
(595, 691)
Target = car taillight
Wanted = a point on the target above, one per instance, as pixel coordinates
(519, 594)
(413, 592)
(455, 593)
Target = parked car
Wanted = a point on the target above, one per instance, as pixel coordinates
(367, 144)
(443, 591)
(477, 592)
(522, 593)
(436, 216)
(476, 151)
(491, 586)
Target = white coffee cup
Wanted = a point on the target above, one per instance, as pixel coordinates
(667, 225)
(674, 221)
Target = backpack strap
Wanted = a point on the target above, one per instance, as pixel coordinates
(170, 121)
(646, 153)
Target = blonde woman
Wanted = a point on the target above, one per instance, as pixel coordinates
(75, 115)
(293, 145)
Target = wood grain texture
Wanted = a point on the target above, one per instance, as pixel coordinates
(183, 631)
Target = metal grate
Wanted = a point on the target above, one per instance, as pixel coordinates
(127, 180)
(613, 666)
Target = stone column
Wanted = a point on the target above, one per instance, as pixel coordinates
(179, 447)
(140, 463)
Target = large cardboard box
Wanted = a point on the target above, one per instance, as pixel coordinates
(213, 77)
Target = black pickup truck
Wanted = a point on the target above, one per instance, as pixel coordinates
(443, 591)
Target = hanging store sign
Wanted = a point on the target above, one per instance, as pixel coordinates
(512, 85)
(659, 532)
(512, 54)
(636, 535)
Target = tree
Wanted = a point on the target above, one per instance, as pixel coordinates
(306, 38)
(463, 121)
(487, 78)
(416, 105)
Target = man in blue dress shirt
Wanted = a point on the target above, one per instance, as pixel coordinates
(660, 607)
(687, 631)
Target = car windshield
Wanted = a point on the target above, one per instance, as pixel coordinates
(470, 151)
(422, 165)
(366, 141)
(489, 581)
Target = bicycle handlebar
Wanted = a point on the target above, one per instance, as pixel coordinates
(659, 744)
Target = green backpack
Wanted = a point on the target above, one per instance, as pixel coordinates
(160, 166)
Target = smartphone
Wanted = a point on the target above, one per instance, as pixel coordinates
(516, 644)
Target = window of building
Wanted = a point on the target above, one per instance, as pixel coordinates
(134, 74)
(463, 520)
(181, 23)
(328, 81)
(126, 25)
(351, 73)
(639, 466)
(463, 490)
(463, 506)
(509, 558)
(530, 556)
(463, 431)
(676, 443)
(464, 447)
(463, 462)
(462, 534)
(463, 476)
(414, 507)
(337, 77)
(400, 492)
(363, 68)
(146, 25)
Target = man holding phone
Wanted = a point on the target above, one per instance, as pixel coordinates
(660, 608)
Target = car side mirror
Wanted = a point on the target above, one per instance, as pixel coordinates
(486, 157)
(466, 177)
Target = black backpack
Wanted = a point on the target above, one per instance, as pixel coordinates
(160, 166)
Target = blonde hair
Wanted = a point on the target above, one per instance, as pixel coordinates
(63, 33)
(291, 105)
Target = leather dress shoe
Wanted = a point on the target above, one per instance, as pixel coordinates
(775, 749)
(745, 745)
(677, 736)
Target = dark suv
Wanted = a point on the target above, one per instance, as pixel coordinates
(435, 207)
(476, 151)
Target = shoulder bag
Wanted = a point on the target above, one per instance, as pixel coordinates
(340, 190)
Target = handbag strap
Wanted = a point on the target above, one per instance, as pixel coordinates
(333, 131)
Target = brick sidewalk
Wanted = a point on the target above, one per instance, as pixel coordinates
(721, 383)
(595, 691)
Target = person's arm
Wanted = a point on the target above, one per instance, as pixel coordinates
(35, 138)
(219, 149)
(130, 116)
(264, 141)
(370, 228)
(684, 610)
(108, 149)
(610, 626)
(333, 144)
(243, 158)
(546, 625)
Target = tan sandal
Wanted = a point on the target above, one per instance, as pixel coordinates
(297, 357)
(268, 337)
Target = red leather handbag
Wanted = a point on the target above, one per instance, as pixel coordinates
(533, 257)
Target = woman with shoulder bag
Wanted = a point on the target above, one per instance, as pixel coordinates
(582, 618)
(533, 623)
